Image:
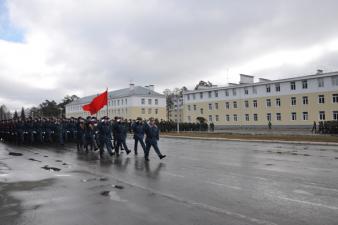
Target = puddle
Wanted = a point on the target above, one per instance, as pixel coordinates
(269, 164)
(113, 196)
(35, 160)
(45, 156)
(46, 167)
(15, 154)
(117, 186)
(306, 155)
(92, 179)
(58, 160)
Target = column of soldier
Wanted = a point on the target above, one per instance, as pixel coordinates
(89, 134)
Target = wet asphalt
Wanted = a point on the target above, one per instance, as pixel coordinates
(200, 182)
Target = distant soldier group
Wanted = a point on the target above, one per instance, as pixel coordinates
(88, 134)
(328, 127)
(170, 126)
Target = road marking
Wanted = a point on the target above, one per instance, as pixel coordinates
(224, 185)
(309, 203)
(298, 191)
(173, 174)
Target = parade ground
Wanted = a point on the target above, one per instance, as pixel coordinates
(199, 182)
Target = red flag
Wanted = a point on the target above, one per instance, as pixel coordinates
(97, 103)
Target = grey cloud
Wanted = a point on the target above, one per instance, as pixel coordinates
(172, 43)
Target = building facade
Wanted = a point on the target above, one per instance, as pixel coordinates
(297, 101)
(129, 103)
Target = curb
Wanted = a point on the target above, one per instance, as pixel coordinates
(252, 140)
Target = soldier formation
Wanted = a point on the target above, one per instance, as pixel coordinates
(89, 134)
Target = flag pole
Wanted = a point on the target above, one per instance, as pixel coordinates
(107, 101)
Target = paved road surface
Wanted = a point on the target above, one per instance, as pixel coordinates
(200, 182)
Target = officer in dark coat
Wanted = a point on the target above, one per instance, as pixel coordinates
(80, 131)
(121, 136)
(138, 130)
(105, 137)
(152, 136)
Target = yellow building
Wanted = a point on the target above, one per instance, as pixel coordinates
(292, 102)
(129, 103)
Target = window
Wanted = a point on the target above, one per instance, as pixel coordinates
(227, 117)
(293, 116)
(235, 105)
(121, 101)
(201, 110)
(149, 101)
(335, 115)
(226, 92)
(216, 94)
(293, 101)
(246, 91)
(277, 87)
(143, 111)
(335, 98)
(143, 101)
(335, 81)
(194, 96)
(201, 95)
(118, 102)
(268, 116)
(156, 111)
(210, 106)
(268, 89)
(234, 92)
(278, 116)
(320, 82)
(188, 98)
(305, 115)
(126, 101)
(189, 108)
(217, 118)
(304, 84)
(194, 107)
(216, 106)
(247, 118)
(210, 118)
(268, 103)
(235, 117)
(254, 90)
(278, 102)
(246, 104)
(322, 115)
(156, 101)
(321, 99)
(255, 117)
(149, 111)
(227, 105)
(255, 103)
(293, 85)
(305, 100)
(189, 119)
(209, 94)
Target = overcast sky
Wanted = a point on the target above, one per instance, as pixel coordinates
(51, 48)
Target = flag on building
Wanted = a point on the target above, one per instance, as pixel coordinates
(97, 103)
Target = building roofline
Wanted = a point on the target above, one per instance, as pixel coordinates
(312, 76)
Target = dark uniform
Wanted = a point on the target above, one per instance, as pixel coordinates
(138, 130)
(152, 136)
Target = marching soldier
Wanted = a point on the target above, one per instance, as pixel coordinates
(152, 136)
(138, 130)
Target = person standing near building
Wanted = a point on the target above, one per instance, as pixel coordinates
(314, 127)
(152, 136)
(138, 130)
